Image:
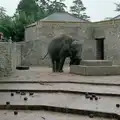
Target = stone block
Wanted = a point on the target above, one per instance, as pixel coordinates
(7, 58)
(95, 70)
(96, 63)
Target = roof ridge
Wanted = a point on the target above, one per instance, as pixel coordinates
(70, 17)
(116, 17)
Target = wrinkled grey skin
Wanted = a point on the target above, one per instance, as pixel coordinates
(76, 51)
(59, 50)
(62, 47)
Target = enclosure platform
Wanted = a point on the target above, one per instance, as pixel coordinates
(96, 62)
(95, 68)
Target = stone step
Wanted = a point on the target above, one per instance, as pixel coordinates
(103, 104)
(62, 87)
(55, 113)
(95, 70)
(96, 62)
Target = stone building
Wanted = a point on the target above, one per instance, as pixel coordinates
(39, 34)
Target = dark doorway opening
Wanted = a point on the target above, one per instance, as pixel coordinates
(99, 48)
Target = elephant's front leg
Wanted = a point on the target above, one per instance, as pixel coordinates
(57, 65)
(62, 60)
(53, 65)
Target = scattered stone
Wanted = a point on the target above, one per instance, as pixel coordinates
(87, 96)
(25, 98)
(86, 93)
(91, 115)
(7, 103)
(96, 98)
(43, 118)
(93, 95)
(15, 112)
(23, 93)
(91, 98)
(41, 83)
(12, 94)
(31, 93)
(117, 105)
(18, 92)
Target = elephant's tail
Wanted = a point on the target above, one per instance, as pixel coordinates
(45, 56)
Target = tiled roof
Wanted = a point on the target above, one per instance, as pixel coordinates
(117, 17)
(62, 16)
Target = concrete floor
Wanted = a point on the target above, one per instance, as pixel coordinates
(43, 115)
(45, 74)
(103, 89)
(105, 85)
(103, 104)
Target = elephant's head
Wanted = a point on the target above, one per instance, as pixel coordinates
(76, 51)
(66, 46)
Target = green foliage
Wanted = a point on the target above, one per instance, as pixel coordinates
(117, 6)
(78, 9)
(39, 9)
(19, 23)
(29, 11)
(2, 12)
(6, 25)
(56, 6)
(29, 7)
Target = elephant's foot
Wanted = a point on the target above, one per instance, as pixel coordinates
(53, 70)
(61, 71)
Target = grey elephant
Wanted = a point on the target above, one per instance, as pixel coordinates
(76, 53)
(62, 47)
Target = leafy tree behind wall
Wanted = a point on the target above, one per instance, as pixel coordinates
(56, 6)
(78, 9)
(29, 11)
(39, 9)
(6, 26)
(117, 6)
(19, 22)
(29, 7)
(2, 12)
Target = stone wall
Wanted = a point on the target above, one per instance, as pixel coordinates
(8, 59)
(111, 30)
(18, 54)
(41, 34)
(30, 32)
(35, 47)
(32, 53)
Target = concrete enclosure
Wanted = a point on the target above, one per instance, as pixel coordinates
(10, 57)
(41, 33)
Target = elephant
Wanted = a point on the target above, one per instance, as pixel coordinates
(76, 51)
(60, 48)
